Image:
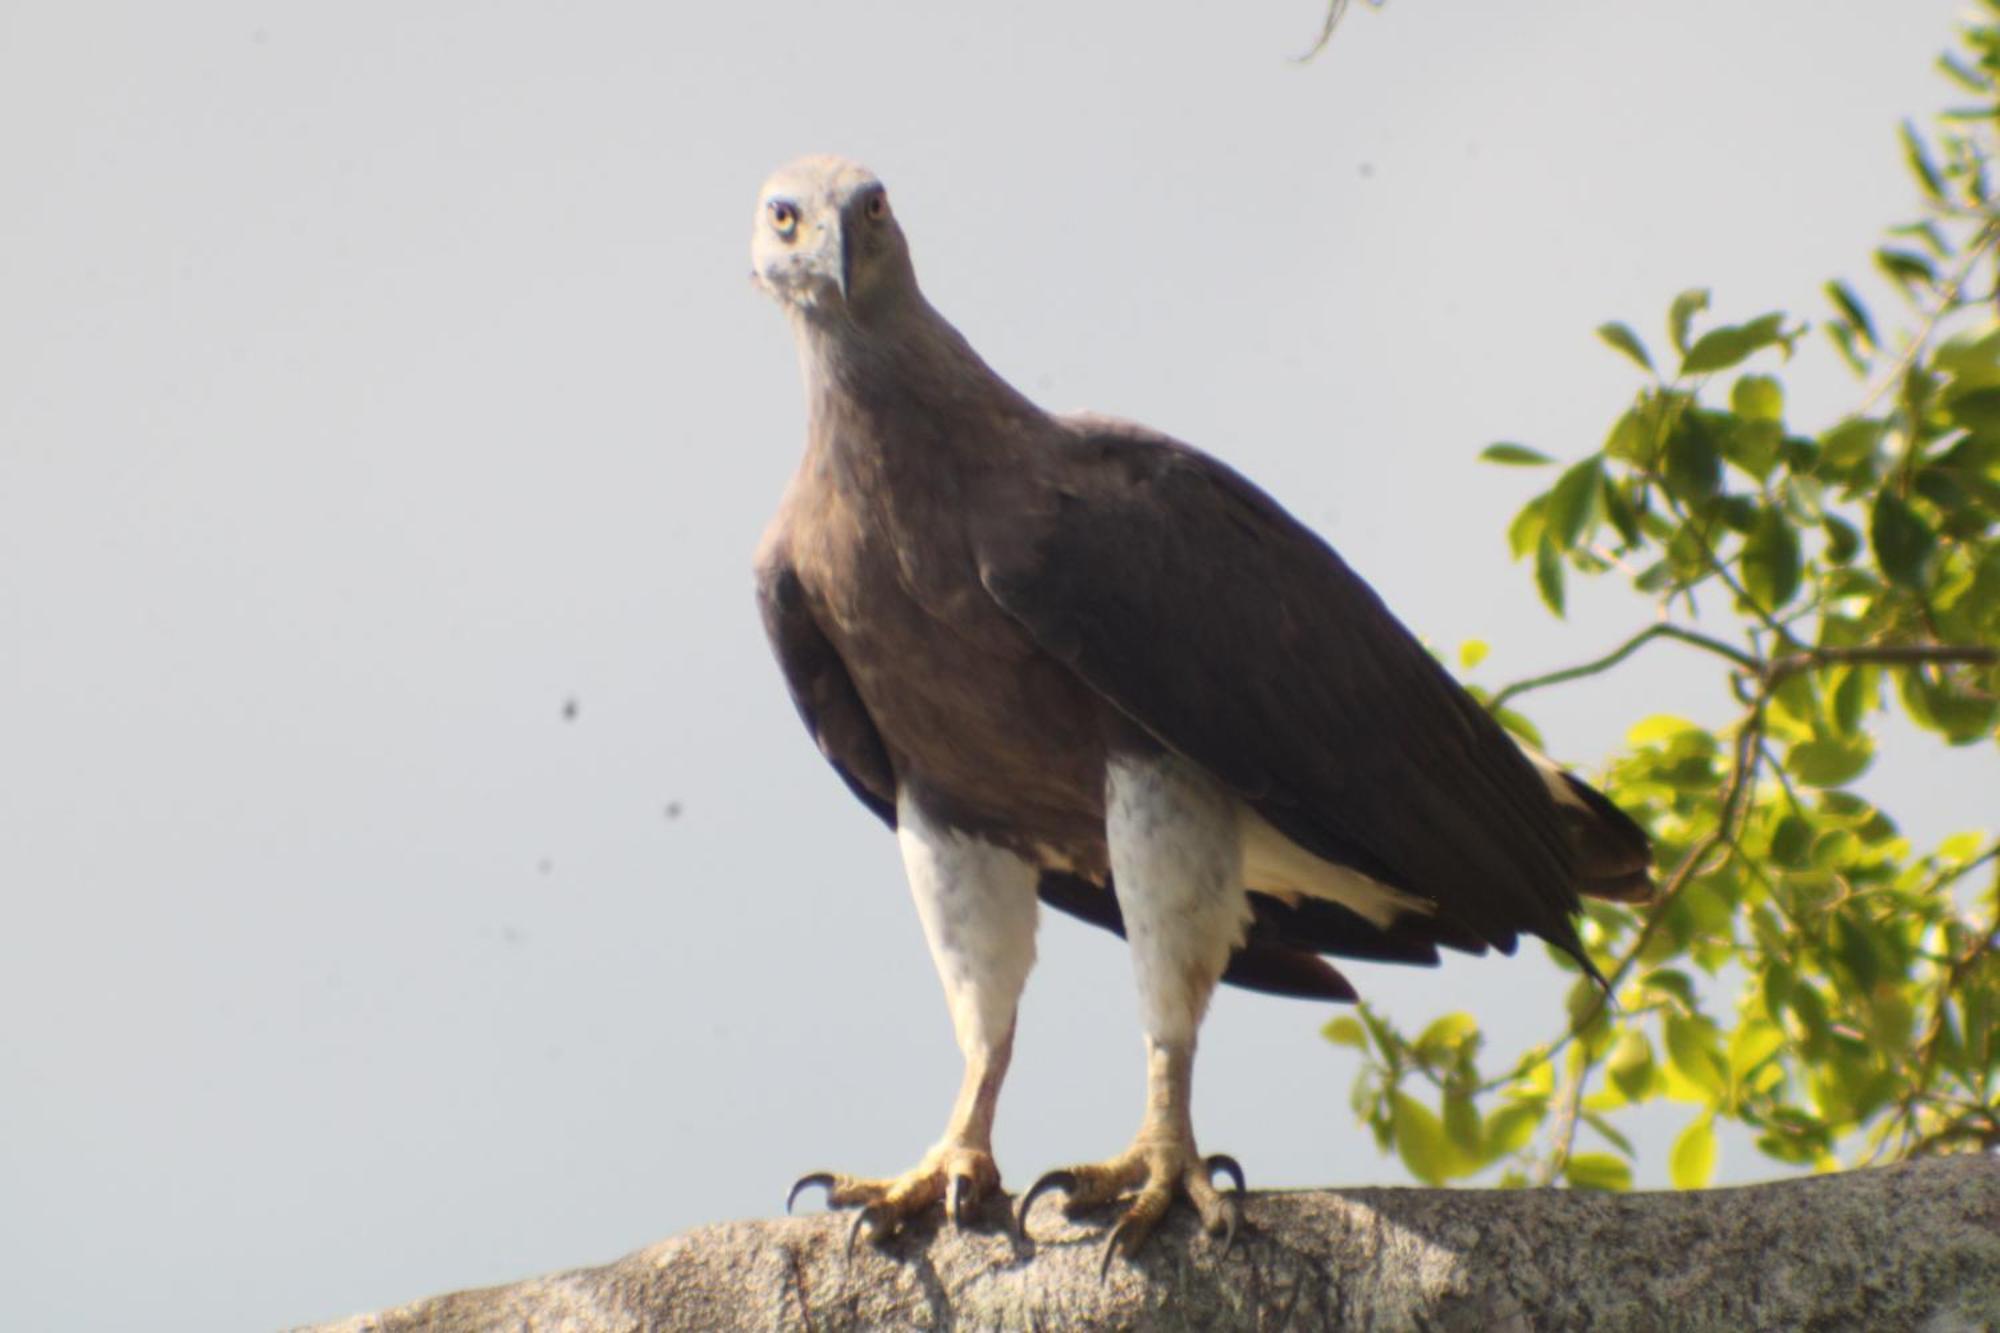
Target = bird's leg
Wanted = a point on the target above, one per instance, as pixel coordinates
(1176, 861)
(977, 903)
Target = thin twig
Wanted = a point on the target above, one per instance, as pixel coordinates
(1625, 650)
(1334, 10)
(1747, 759)
(1562, 1139)
(1903, 1122)
(1947, 301)
(1720, 568)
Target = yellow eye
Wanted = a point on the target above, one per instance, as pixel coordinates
(784, 217)
(878, 206)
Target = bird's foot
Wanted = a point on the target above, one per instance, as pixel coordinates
(956, 1174)
(1154, 1173)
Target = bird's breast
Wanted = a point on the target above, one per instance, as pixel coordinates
(1003, 738)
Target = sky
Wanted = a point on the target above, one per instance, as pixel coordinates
(413, 874)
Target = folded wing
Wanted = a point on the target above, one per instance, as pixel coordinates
(1229, 631)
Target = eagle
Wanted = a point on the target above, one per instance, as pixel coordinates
(1071, 661)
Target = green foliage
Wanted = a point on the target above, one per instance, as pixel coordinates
(1806, 972)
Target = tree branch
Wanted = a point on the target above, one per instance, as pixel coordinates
(1885, 654)
(1905, 1247)
(1947, 300)
(1625, 650)
(1747, 759)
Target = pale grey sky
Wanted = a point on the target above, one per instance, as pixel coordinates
(380, 377)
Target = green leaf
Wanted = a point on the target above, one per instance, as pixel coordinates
(1842, 541)
(1850, 444)
(1514, 455)
(1848, 343)
(1654, 577)
(1854, 692)
(1960, 847)
(1976, 410)
(1771, 561)
(1597, 1171)
(1691, 1164)
(1721, 348)
(1790, 841)
(1961, 717)
(1420, 1139)
(1753, 1042)
(1657, 728)
(1694, 466)
(1346, 1030)
(1618, 507)
(1549, 575)
(1671, 982)
(1739, 512)
(1903, 541)
(1910, 269)
(1631, 437)
(1447, 1034)
(1526, 530)
(1685, 307)
(1626, 341)
(1694, 1050)
(1631, 1065)
(1573, 504)
(1520, 726)
(1830, 761)
(1928, 232)
(1758, 398)
(1461, 1127)
(1512, 1127)
(1921, 165)
(1753, 445)
(1855, 313)
(1471, 653)
(1964, 75)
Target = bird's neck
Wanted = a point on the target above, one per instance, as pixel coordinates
(906, 380)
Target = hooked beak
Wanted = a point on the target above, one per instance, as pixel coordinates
(819, 263)
(835, 260)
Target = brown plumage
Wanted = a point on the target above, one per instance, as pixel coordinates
(983, 610)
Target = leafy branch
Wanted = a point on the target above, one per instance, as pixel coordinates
(1803, 969)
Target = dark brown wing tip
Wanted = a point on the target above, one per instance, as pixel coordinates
(1280, 971)
(1614, 855)
(1636, 889)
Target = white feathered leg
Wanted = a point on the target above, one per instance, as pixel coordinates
(978, 908)
(1177, 863)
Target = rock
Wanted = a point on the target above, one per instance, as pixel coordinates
(1914, 1246)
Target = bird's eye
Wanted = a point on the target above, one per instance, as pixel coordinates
(784, 217)
(878, 206)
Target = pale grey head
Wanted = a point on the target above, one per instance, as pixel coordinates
(825, 243)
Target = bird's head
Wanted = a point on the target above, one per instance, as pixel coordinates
(826, 244)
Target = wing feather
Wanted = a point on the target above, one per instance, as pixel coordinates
(1236, 636)
(822, 690)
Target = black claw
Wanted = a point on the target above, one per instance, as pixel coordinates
(868, 1219)
(823, 1179)
(954, 1199)
(1111, 1246)
(1053, 1180)
(1225, 1164)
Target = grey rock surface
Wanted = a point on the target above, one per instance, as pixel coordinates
(1914, 1246)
